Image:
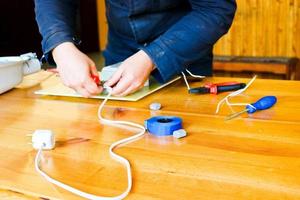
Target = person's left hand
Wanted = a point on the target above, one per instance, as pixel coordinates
(131, 75)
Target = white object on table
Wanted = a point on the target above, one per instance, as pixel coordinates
(13, 68)
(179, 133)
(109, 70)
(155, 106)
(43, 139)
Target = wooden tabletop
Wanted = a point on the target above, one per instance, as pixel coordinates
(251, 157)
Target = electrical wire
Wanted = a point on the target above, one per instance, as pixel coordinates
(235, 93)
(118, 158)
(185, 80)
(193, 75)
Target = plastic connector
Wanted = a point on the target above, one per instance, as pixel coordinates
(155, 106)
(31, 63)
(43, 139)
(180, 133)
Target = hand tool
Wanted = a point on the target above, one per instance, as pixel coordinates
(96, 79)
(215, 88)
(262, 104)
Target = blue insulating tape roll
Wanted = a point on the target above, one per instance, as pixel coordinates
(163, 125)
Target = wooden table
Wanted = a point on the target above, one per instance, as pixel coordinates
(255, 157)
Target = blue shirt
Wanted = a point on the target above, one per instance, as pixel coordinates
(176, 34)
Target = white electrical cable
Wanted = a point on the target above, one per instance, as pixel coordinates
(113, 155)
(185, 80)
(235, 93)
(193, 75)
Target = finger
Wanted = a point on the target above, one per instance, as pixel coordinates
(82, 91)
(122, 85)
(53, 70)
(68, 83)
(91, 86)
(91, 62)
(133, 88)
(94, 70)
(128, 91)
(115, 78)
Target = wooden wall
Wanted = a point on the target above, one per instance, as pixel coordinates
(260, 28)
(102, 24)
(263, 28)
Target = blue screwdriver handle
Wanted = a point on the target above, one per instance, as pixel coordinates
(262, 104)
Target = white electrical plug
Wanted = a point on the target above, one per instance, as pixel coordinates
(43, 139)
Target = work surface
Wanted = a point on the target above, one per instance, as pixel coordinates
(255, 157)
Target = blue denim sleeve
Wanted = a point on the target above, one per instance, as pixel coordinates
(57, 21)
(197, 31)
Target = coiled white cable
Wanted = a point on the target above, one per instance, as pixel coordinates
(120, 159)
(235, 93)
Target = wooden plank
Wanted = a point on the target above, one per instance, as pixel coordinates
(102, 24)
(12, 195)
(247, 158)
(263, 28)
(256, 67)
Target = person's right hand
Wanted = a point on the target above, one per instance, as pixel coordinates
(75, 69)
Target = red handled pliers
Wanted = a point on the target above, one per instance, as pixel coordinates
(215, 88)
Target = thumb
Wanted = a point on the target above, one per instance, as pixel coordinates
(94, 70)
(115, 78)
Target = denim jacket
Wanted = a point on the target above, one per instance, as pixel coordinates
(176, 34)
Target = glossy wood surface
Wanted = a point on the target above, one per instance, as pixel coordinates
(251, 157)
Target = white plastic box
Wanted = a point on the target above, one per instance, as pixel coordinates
(12, 69)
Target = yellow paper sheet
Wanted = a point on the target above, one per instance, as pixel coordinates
(60, 90)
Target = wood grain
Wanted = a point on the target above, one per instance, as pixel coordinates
(12, 195)
(102, 24)
(263, 28)
(254, 157)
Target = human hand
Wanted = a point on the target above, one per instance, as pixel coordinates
(131, 75)
(75, 69)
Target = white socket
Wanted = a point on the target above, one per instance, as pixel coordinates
(43, 139)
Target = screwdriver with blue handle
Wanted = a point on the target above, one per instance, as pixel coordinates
(262, 104)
